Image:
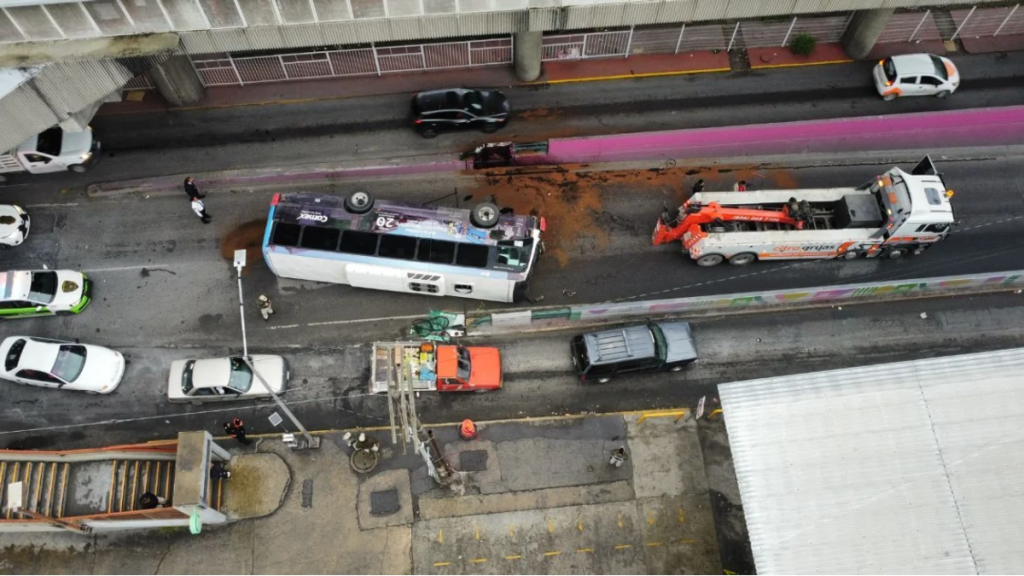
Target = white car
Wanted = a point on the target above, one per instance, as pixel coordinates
(916, 75)
(14, 225)
(63, 365)
(219, 379)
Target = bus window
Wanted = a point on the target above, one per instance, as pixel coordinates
(401, 247)
(436, 251)
(286, 234)
(319, 238)
(472, 255)
(355, 242)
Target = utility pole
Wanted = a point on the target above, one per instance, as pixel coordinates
(309, 441)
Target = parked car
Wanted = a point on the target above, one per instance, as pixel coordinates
(657, 346)
(458, 108)
(221, 379)
(14, 225)
(26, 293)
(63, 365)
(916, 75)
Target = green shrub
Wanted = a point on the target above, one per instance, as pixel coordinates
(802, 44)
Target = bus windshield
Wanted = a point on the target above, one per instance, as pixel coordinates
(424, 249)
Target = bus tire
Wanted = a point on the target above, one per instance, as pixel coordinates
(710, 260)
(484, 215)
(78, 168)
(359, 202)
(743, 258)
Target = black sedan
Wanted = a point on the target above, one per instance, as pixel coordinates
(458, 108)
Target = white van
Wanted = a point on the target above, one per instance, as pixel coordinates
(53, 150)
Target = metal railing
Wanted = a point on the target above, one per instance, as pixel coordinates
(225, 70)
(980, 22)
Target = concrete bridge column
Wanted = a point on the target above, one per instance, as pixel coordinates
(527, 55)
(178, 81)
(864, 30)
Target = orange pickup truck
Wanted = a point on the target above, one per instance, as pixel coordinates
(428, 367)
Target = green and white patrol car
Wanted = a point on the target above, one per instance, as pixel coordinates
(43, 293)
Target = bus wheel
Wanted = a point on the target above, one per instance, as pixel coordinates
(743, 259)
(710, 260)
(484, 215)
(359, 202)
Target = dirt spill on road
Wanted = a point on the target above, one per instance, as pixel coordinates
(248, 236)
(570, 198)
(539, 113)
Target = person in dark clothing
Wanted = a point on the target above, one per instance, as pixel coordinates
(192, 190)
(148, 501)
(698, 186)
(236, 429)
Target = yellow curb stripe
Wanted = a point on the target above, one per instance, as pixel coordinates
(797, 64)
(628, 76)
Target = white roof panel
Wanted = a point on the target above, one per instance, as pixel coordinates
(913, 467)
(11, 78)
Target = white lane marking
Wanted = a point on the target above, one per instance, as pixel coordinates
(342, 322)
(50, 205)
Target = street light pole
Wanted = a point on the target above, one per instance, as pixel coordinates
(310, 440)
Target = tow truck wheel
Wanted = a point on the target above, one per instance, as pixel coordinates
(894, 254)
(710, 260)
(851, 254)
(743, 259)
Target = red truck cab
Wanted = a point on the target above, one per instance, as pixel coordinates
(468, 369)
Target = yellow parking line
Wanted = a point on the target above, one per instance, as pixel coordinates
(516, 557)
(554, 553)
(478, 560)
(439, 564)
(623, 546)
(654, 543)
(585, 550)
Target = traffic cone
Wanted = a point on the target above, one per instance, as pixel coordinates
(468, 430)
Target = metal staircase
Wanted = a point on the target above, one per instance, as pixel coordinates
(130, 479)
(45, 485)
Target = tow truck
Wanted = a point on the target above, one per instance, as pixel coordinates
(895, 214)
(430, 367)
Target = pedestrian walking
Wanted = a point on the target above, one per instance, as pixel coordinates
(192, 190)
(698, 186)
(218, 471)
(740, 186)
(266, 308)
(236, 429)
(618, 457)
(148, 501)
(200, 209)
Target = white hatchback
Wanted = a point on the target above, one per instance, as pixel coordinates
(916, 75)
(220, 379)
(63, 365)
(14, 225)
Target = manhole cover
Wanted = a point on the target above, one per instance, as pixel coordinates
(363, 461)
(473, 460)
(384, 503)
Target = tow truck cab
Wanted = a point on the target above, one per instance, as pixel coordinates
(468, 368)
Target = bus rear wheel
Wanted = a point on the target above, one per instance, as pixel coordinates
(359, 202)
(710, 260)
(743, 259)
(485, 215)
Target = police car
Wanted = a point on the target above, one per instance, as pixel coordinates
(14, 224)
(43, 293)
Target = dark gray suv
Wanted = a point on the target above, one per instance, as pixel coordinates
(657, 346)
(459, 108)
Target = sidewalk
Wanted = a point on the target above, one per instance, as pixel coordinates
(542, 499)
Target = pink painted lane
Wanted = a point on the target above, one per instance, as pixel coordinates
(925, 130)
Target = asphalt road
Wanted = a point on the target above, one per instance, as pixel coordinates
(150, 144)
(165, 289)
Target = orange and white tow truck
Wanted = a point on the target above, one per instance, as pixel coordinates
(894, 214)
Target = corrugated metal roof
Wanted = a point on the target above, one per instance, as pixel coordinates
(913, 467)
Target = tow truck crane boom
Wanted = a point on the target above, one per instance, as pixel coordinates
(692, 214)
